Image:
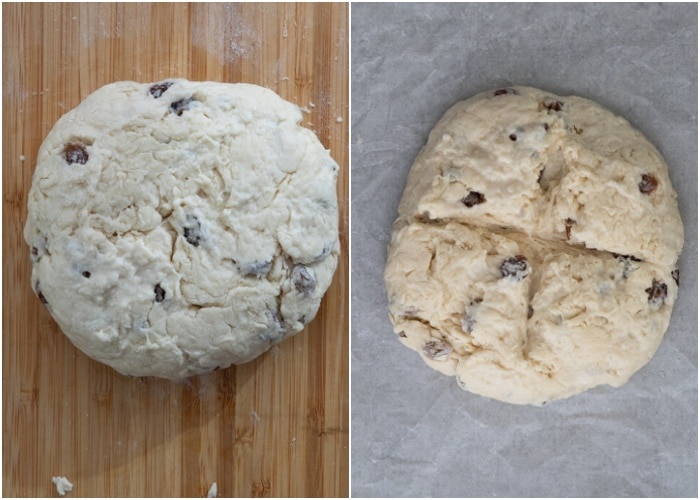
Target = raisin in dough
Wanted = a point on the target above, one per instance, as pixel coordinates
(534, 256)
(180, 227)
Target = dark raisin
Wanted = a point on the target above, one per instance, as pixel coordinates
(513, 137)
(469, 318)
(468, 321)
(546, 127)
(505, 92)
(530, 312)
(159, 89)
(437, 350)
(473, 198)
(303, 280)
(568, 224)
(515, 267)
(658, 291)
(87, 274)
(75, 152)
(402, 334)
(182, 105)
(277, 330)
(553, 105)
(626, 261)
(192, 231)
(676, 274)
(256, 268)
(35, 251)
(160, 293)
(42, 299)
(626, 257)
(648, 184)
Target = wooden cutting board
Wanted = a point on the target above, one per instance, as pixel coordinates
(277, 426)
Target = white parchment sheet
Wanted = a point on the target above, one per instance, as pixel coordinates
(414, 431)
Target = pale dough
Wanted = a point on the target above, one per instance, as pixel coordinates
(180, 227)
(63, 486)
(534, 256)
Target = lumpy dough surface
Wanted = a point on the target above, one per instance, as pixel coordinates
(180, 227)
(534, 255)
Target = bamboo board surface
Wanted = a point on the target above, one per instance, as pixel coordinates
(277, 426)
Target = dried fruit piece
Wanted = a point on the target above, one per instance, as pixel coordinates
(178, 107)
(75, 152)
(553, 104)
(470, 316)
(277, 330)
(159, 292)
(468, 322)
(515, 267)
(546, 127)
(87, 274)
(256, 268)
(303, 280)
(513, 137)
(648, 184)
(658, 291)
(676, 274)
(159, 89)
(505, 91)
(42, 299)
(437, 350)
(473, 198)
(627, 262)
(569, 223)
(192, 231)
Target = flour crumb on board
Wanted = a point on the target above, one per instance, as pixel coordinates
(63, 486)
(339, 119)
(21, 158)
(213, 491)
(254, 417)
(306, 110)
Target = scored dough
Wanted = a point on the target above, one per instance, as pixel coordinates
(534, 255)
(180, 227)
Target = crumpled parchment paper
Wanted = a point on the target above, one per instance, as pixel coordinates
(414, 431)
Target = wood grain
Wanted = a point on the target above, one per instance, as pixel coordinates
(277, 426)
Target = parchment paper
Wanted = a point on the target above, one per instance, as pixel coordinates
(414, 431)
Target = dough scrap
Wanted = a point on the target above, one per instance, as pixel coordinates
(534, 255)
(63, 486)
(180, 227)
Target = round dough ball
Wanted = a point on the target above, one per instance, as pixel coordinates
(534, 255)
(180, 227)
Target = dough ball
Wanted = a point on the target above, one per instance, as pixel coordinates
(534, 255)
(180, 227)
